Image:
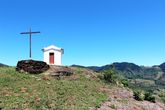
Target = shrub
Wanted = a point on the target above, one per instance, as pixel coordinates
(139, 95)
(149, 97)
(100, 76)
(125, 82)
(110, 75)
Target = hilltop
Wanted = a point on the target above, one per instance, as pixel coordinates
(25, 91)
(81, 90)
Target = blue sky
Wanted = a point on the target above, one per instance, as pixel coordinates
(92, 32)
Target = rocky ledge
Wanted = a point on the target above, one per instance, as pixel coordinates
(59, 71)
(32, 66)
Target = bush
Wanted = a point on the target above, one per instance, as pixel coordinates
(139, 95)
(100, 76)
(149, 97)
(125, 82)
(110, 75)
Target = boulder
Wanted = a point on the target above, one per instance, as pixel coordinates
(32, 66)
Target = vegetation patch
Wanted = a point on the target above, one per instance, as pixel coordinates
(149, 97)
(35, 92)
(141, 95)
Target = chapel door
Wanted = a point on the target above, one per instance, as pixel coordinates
(51, 58)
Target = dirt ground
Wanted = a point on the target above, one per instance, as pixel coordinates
(122, 99)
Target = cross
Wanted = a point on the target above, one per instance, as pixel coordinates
(30, 40)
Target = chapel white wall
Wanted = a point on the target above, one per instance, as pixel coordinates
(57, 57)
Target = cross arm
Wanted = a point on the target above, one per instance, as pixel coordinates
(30, 32)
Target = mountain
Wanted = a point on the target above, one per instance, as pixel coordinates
(94, 68)
(79, 66)
(162, 66)
(148, 78)
(3, 65)
(118, 66)
(132, 71)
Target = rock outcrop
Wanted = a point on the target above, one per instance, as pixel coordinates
(122, 99)
(60, 71)
(32, 66)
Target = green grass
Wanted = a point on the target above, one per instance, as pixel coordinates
(33, 92)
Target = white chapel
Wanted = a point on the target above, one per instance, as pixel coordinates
(53, 55)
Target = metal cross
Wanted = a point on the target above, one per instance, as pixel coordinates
(30, 40)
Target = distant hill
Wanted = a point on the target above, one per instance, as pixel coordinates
(150, 78)
(131, 70)
(79, 66)
(3, 65)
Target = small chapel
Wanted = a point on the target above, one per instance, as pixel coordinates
(53, 55)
